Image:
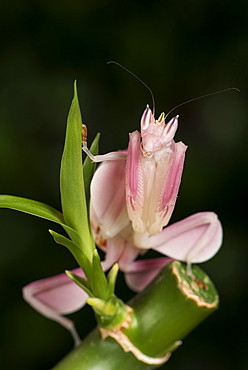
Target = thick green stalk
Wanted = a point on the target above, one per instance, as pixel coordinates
(164, 313)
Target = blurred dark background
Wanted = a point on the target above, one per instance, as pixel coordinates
(181, 49)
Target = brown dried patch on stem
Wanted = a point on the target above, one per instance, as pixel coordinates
(127, 346)
(190, 291)
(200, 283)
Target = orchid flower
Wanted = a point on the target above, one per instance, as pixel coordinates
(58, 295)
(193, 240)
(133, 194)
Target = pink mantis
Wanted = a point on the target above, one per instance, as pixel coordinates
(133, 194)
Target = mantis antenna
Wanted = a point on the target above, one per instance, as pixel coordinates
(179, 105)
(201, 97)
(139, 79)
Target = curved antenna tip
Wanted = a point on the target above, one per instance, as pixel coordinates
(201, 97)
(139, 79)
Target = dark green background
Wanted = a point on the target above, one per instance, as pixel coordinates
(181, 49)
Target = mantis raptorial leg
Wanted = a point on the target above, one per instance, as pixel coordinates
(112, 156)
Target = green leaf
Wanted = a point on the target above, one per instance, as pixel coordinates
(71, 177)
(98, 280)
(112, 276)
(110, 313)
(83, 283)
(32, 207)
(89, 168)
(76, 251)
(38, 209)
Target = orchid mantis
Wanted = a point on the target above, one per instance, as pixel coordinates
(154, 165)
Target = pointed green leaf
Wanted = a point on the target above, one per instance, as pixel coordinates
(112, 276)
(97, 304)
(83, 283)
(77, 252)
(71, 177)
(110, 313)
(38, 209)
(32, 207)
(107, 308)
(98, 281)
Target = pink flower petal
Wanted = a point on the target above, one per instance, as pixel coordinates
(115, 247)
(58, 295)
(121, 251)
(108, 201)
(193, 240)
(139, 274)
(55, 296)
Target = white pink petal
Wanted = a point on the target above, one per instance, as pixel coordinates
(139, 274)
(195, 239)
(56, 296)
(108, 202)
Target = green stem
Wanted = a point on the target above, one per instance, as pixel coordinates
(164, 313)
